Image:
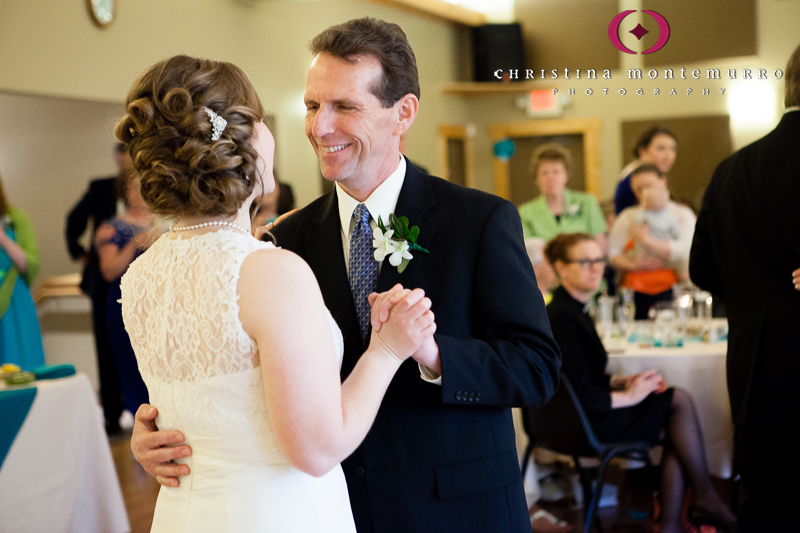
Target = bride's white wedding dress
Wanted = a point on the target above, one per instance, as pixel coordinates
(179, 303)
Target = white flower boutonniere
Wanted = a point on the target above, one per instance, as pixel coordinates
(396, 242)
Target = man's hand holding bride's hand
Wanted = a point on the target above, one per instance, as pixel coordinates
(155, 449)
(428, 352)
(407, 321)
(382, 303)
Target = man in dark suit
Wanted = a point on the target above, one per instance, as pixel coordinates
(746, 245)
(98, 204)
(441, 453)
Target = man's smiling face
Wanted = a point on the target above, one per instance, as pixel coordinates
(355, 138)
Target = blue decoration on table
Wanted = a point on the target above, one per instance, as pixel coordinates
(14, 407)
(638, 515)
(504, 149)
(54, 371)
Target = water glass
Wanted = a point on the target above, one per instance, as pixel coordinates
(669, 328)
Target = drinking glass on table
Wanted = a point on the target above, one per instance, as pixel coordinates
(666, 330)
(626, 303)
(604, 320)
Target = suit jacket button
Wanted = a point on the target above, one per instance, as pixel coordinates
(478, 397)
(458, 395)
(360, 471)
(471, 396)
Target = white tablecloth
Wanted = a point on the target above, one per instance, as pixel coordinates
(699, 369)
(59, 475)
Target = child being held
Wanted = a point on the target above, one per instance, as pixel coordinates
(662, 223)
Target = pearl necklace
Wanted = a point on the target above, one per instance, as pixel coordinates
(237, 227)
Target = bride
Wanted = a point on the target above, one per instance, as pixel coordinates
(231, 334)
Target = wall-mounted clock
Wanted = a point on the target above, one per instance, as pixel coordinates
(102, 11)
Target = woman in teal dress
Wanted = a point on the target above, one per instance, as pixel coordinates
(20, 337)
(557, 209)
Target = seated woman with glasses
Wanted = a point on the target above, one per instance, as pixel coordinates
(628, 408)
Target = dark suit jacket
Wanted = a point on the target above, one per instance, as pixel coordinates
(443, 458)
(100, 204)
(746, 245)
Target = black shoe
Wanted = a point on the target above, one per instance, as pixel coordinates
(699, 517)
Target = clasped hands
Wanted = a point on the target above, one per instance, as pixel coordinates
(399, 300)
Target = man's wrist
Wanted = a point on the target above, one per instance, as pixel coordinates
(429, 373)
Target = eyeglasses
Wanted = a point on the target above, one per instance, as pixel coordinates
(587, 264)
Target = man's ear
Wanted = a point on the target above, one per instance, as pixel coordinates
(407, 108)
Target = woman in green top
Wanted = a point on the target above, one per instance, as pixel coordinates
(558, 209)
(20, 338)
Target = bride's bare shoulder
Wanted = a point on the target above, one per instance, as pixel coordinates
(276, 289)
(273, 267)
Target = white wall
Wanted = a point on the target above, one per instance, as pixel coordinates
(49, 149)
(53, 49)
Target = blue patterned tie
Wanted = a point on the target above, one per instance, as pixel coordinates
(363, 268)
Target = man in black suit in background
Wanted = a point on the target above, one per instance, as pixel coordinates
(99, 203)
(746, 245)
(441, 454)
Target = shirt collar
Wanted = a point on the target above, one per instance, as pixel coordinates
(793, 108)
(381, 202)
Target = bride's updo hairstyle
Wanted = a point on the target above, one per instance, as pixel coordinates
(168, 134)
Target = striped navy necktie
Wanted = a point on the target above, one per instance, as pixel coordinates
(363, 268)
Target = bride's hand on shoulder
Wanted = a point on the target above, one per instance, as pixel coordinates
(410, 323)
(278, 220)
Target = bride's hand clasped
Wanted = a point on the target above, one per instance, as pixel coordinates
(408, 323)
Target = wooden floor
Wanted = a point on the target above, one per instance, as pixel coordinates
(139, 489)
(140, 492)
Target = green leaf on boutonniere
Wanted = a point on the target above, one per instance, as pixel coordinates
(402, 266)
(402, 233)
(410, 235)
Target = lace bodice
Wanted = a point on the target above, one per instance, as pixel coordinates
(180, 307)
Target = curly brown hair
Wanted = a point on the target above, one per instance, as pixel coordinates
(168, 135)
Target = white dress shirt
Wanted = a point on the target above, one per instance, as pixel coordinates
(382, 202)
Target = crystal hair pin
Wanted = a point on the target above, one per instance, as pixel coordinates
(218, 124)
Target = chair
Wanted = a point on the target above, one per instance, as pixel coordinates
(561, 426)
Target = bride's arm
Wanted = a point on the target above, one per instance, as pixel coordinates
(317, 420)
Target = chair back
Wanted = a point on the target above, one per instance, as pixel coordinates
(561, 425)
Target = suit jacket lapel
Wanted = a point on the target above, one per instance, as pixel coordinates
(415, 200)
(326, 258)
